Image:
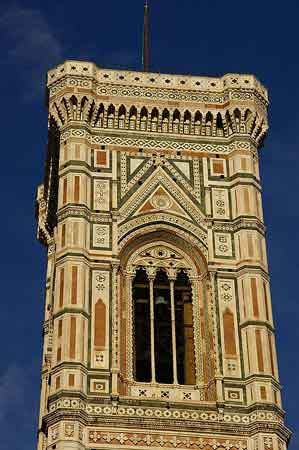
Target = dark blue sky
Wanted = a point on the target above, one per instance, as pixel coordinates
(192, 37)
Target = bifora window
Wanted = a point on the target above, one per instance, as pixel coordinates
(163, 337)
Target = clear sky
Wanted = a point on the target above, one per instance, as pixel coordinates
(188, 37)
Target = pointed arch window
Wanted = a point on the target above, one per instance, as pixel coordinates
(122, 117)
(163, 337)
(143, 119)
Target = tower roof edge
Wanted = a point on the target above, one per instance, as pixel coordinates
(88, 69)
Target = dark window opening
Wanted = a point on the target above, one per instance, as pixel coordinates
(142, 326)
(163, 340)
(184, 330)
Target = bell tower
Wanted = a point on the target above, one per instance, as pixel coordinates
(158, 328)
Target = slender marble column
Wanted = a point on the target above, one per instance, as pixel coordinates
(152, 322)
(173, 332)
(129, 276)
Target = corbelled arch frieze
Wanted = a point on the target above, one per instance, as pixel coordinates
(222, 123)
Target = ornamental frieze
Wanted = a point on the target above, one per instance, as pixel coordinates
(157, 143)
(162, 440)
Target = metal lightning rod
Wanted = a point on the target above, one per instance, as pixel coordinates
(145, 57)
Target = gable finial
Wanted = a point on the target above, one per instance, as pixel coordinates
(146, 37)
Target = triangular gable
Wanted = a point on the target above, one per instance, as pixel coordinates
(161, 200)
(141, 199)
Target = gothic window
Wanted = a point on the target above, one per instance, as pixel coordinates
(219, 125)
(165, 121)
(122, 117)
(163, 337)
(110, 116)
(132, 118)
(197, 122)
(143, 118)
(154, 119)
(209, 124)
(187, 122)
(99, 119)
(176, 121)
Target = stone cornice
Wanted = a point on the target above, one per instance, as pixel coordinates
(206, 418)
(154, 85)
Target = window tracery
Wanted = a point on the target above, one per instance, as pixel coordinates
(162, 321)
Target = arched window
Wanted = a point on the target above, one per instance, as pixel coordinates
(209, 123)
(74, 105)
(197, 122)
(165, 121)
(99, 119)
(154, 119)
(143, 118)
(163, 337)
(219, 125)
(176, 121)
(132, 118)
(187, 122)
(228, 122)
(110, 116)
(122, 117)
(237, 116)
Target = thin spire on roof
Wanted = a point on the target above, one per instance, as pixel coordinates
(146, 37)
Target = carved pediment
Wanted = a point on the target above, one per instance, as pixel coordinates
(161, 193)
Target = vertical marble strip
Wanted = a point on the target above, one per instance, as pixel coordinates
(259, 349)
(60, 328)
(85, 274)
(77, 151)
(72, 352)
(248, 354)
(64, 196)
(255, 306)
(83, 340)
(71, 380)
(246, 201)
(243, 164)
(229, 333)
(77, 189)
(65, 153)
(58, 356)
(271, 355)
(250, 245)
(244, 299)
(236, 200)
(257, 204)
(61, 288)
(266, 301)
(63, 235)
(100, 324)
(240, 248)
(75, 233)
(263, 393)
(74, 285)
